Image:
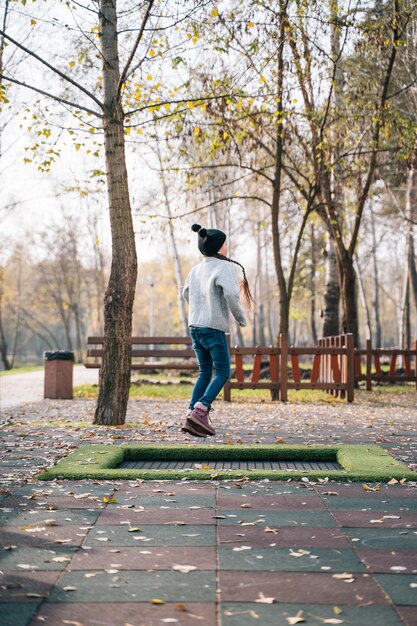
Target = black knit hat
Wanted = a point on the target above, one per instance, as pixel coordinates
(210, 240)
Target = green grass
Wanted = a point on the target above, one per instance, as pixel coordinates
(24, 369)
(183, 392)
(101, 462)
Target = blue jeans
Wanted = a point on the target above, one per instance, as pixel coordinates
(211, 348)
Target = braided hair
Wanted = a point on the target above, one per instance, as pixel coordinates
(244, 285)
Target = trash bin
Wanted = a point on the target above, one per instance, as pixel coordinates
(59, 367)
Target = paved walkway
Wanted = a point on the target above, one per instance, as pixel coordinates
(236, 553)
(16, 389)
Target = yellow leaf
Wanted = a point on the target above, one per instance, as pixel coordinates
(263, 79)
(33, 22)
(71, 63)
(151, 53)
(214, 13)
(149, 77)
(157, 601)
(139, 131)
(250, 24)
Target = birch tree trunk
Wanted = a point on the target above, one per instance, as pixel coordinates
(177, 261)
(118, 301)
(375, 301)
(332, 292)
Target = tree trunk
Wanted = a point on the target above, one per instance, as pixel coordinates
(313, 268)
(177, 261)
(118, 301)
(349, 299)
(375, 302)
(330, 312)
(276, 195)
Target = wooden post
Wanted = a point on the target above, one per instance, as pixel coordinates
(283, 344)
(350, 365)
(369, 365)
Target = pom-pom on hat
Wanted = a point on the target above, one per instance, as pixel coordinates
(210, 240)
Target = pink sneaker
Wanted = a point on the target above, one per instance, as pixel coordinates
(193, 430)
(200, 419)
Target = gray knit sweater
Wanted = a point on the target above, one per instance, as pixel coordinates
(212, 292)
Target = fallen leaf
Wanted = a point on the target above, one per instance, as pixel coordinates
(180, 607)
(175, 523)
(61, 559)
(134, 529)
(264, 600)
(330, 493)
(297, 619)
(72, 622)
(344, 576)
(333, 620)
(69, 588)
(393, 481)
(245, 506)
(157, 601)
(184, 569)
(249, 612)
(109, 499)
(271, 530)
(30, 594)
(367, 488)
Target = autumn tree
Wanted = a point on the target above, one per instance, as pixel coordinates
(107, 87)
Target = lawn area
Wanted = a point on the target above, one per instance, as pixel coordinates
(24, 369)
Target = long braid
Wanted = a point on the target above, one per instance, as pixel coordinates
(244, 284)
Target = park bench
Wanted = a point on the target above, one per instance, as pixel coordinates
(150, 353)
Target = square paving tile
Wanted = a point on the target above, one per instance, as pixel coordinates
(389, 561)
(383, 538)
(370, 519)
(23, 558)
(161, 501)
(289, 560)
(17, 613)
(321, 519)
(55, 502)
(15, 587)
(297, 537)
(35, 517)
(157, 516)
(152, 535)
(271, 502)
(243, 614)
(408, 614)
(134, 586)
(382, 503)
(43, 536)
(299, 587)
(401, 588)
(120, 614)
(144, 558)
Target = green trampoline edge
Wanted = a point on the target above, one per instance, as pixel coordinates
(100, 461)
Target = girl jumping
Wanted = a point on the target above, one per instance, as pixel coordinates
(212, 291)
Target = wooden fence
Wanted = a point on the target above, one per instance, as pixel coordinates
(336, 366)
(332, 369)
(402, 365)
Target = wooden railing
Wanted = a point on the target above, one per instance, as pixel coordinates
(332, 368)
(372, 359)
(336, 366)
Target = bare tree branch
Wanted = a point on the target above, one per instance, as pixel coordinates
(52, 68)
(49, 95)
